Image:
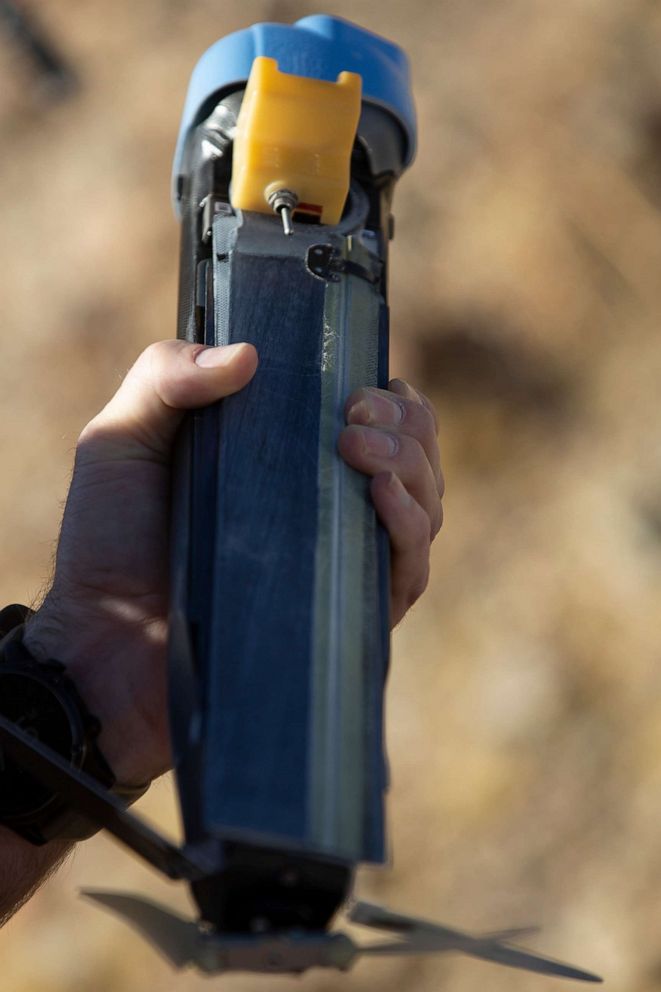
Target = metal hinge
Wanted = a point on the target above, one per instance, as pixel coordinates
(326, 262)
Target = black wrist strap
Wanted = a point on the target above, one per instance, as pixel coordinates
(12, 617)
(45, 820)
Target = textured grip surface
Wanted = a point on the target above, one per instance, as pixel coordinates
(282, 601)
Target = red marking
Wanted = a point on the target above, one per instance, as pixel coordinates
(309, 208)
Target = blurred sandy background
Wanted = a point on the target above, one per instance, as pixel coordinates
(525, 699)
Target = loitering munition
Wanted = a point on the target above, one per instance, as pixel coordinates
(291, 142)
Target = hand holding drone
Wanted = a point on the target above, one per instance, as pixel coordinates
(290, 146)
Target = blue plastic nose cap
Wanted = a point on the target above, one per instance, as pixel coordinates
(319, 47)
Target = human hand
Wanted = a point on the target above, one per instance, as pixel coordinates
(392, 437)
(105, 615)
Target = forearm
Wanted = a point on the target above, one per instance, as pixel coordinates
(24, 867)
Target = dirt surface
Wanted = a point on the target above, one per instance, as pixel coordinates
(525, 701)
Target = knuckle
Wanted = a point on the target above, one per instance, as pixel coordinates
(156, 361)
(417, 403)
(403, 388)
(154, 349)
(413, 449)
(154, 354)
(422, 420)
(147, 367)
(167, 345)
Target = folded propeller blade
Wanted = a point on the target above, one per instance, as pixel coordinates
(175, 937)
(182, 942)
(424, 937)
(512, 934)
(487, 950)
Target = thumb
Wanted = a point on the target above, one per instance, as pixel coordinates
(168, 378)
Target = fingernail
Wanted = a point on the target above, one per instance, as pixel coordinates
(376, 409)
(379, 442)
(224, 354)
(399, 384)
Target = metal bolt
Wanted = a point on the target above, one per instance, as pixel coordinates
(283, 202)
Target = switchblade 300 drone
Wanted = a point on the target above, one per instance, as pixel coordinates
(291, 143)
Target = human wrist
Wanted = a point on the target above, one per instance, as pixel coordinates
(94, 651)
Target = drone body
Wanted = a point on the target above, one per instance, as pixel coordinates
(280, 592)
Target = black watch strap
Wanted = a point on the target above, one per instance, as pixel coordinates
(32, 811)
(12, 617)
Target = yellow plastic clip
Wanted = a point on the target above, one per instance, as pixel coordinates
(293, 142)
